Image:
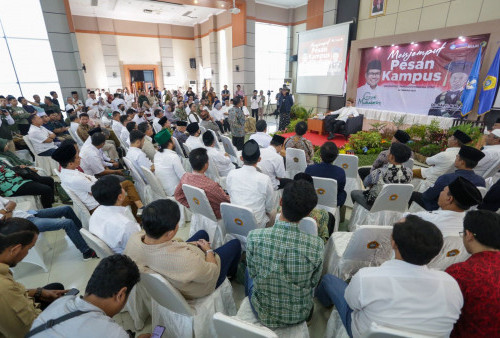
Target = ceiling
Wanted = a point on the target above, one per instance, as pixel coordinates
(161, 12)
(283, 3)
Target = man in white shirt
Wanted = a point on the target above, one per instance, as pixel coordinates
(92, 103)
(218, 116)
(117, 101)
(139, 117)
(112, 222)
(249, 188)
(105, 296)
(41, 138)
(254, 105)
(443, 162)
(261, 136)
(156, 125)
(220, 159)
(71, 105)
(491, 151)
(76, 99)
(125, 135)
(135, 153)
(194, 141)
(371, 95)
(116, 124)
(459, 196)
(402, 292)
(335, 120)
(92, 161)
(271, 162)
(169, 169)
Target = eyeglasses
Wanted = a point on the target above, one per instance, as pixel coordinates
(461, 234)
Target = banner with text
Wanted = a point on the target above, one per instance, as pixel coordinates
(424, 78)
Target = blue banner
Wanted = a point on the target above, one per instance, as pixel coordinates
(490, 84)
(469, 93)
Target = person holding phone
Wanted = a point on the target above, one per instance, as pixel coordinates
(92, 315)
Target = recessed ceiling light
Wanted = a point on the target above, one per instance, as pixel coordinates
(392, 45)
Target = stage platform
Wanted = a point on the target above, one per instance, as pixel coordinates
(319, 140)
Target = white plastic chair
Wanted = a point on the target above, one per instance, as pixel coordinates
(238, 222)
(326, 190)
(246, 314)
(226, 326)
(453, 251)
(347, 252)
(493, 170)
(143, 189)
(389, 206)
(483, 191)
(97, 244)
(216, 138)
(353, 182)
(36, 255)
(231, 150)
(203, 217)
(409, 164)
(75, 137)
(44, 162)
(183, 318)
(308, 225)
(295, 162)
(154, 183)
(179, 150)
(156, 128)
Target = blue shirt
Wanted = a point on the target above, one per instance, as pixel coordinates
(328, 170)
(431, 195)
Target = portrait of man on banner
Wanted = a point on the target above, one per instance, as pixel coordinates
(377, 8)
(448, 103)
(370, 94)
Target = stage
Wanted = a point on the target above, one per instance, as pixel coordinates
(319, 140)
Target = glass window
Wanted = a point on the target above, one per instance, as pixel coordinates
(270, 57)
(25, 51)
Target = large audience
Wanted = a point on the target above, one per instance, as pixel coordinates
(106, 142)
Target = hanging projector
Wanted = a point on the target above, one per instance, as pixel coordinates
(234, 10)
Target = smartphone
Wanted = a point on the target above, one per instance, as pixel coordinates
(72, 292)
(158, 331)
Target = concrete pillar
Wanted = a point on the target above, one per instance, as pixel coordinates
(64, 48)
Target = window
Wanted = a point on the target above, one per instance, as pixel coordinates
(270, 57)
(26, 61)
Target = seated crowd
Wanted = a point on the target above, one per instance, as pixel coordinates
(182, 139)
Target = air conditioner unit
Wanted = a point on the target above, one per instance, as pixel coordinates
(192, 82)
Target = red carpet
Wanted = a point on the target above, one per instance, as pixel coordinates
(318, 140)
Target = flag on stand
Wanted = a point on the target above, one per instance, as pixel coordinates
(490, 84)
(469, 93)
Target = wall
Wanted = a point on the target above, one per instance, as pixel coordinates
(404, 16)
(183, 50)
(92, 55)
(138, 50)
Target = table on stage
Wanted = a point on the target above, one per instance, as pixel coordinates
(316, 125)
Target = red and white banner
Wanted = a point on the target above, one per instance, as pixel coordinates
(424, 78)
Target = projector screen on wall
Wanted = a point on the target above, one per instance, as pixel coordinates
(321, 60)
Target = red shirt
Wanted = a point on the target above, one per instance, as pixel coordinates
(213, 190)
(479, 280)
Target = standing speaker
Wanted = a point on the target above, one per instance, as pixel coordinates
(192, 63)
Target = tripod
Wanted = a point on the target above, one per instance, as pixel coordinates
(269, 109)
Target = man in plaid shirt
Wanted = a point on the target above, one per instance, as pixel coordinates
(284, 264)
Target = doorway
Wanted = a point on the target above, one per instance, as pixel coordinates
(141, 77)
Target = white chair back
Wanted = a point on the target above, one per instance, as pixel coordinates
(44, 162)
(232, 327)
(380, 331)
(228, 146)
(202, 129)
(101, 248)
(326, 190)
(349, 163)
(295, 161)
(75, 137)
(237, 219)
(198, 202)
(79, 207)
(165, 294)
(369, 243)
(178, 148)
(187, 149)
(134, 171)
(123, 142)
(308, 225)
(483, 191)
(453, 251)
(154, 183)
(156, 127)
(492, 170)
(409, 164)
(393, 197)
(144, 190)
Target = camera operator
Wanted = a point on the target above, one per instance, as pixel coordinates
(254, 105)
